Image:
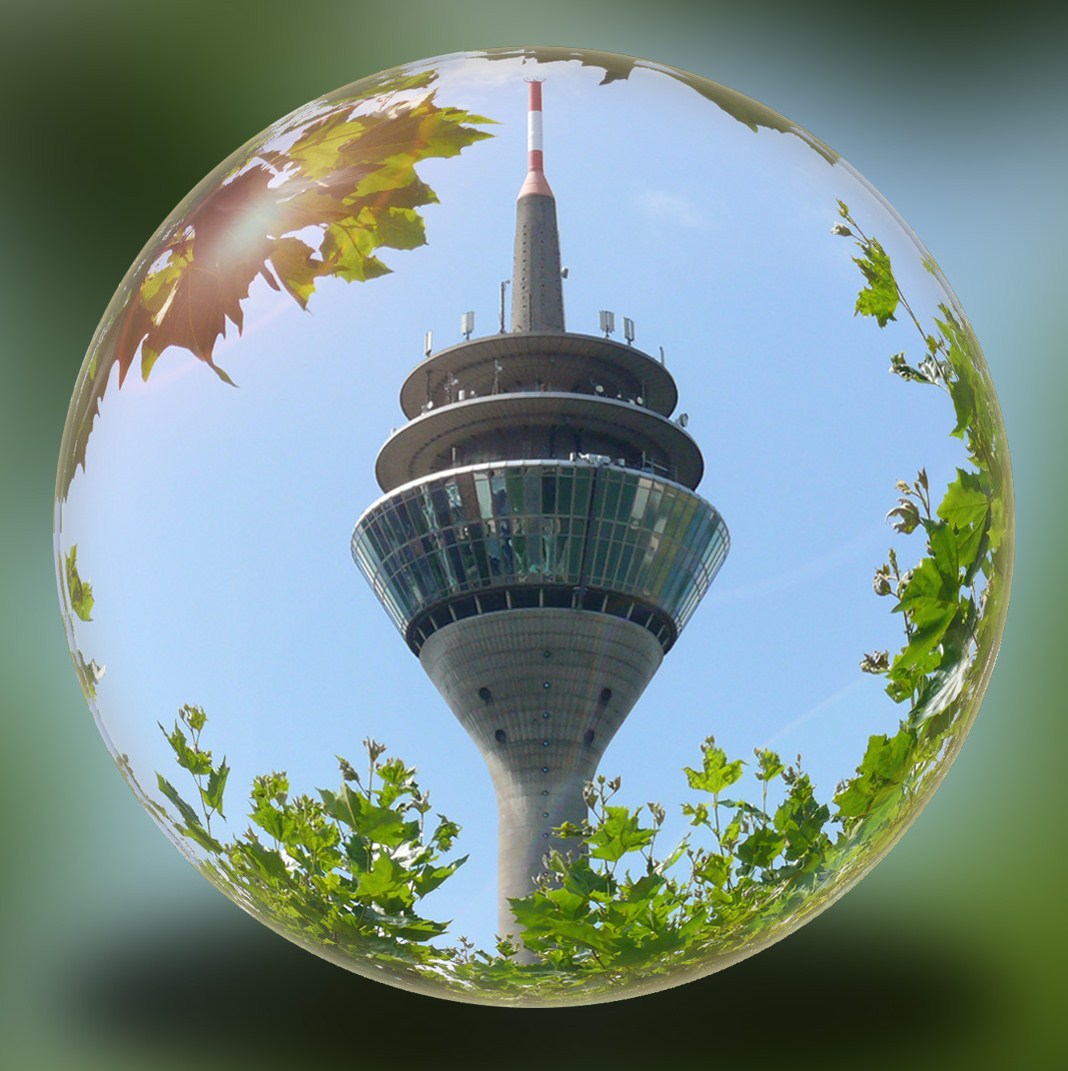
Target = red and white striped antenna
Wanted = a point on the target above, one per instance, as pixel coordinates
(535, 182)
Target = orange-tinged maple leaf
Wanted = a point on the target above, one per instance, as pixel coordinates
(349, 172)
(339, 175)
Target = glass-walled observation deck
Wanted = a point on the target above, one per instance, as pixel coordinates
(540, 533)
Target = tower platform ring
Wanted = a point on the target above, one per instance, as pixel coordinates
(526, 356)
(415, 450)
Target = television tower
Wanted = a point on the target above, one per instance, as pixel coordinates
(539, 543)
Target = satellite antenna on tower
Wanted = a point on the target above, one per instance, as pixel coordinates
(467, 324)
(628, 329)
(428, 343)
(608, 322)
(504, 286)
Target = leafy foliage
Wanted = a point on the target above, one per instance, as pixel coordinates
(942, 599)
(346, 176)
(89, 673)
(79, 592)
(619, 922)
(81, 602)
(345, 870)
(879, 298)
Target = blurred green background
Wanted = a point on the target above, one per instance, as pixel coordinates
(116, 954)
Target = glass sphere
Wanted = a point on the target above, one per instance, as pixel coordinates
(713, 599)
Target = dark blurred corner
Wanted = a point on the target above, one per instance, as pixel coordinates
(835, 993)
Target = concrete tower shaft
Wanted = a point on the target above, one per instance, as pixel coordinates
(541, 692)
(537, 287)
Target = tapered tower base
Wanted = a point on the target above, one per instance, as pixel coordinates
(541, 692)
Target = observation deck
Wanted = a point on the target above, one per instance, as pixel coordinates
(540, 533)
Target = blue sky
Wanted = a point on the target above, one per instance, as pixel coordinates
(214, 522)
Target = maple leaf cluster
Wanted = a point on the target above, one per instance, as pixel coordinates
(348, 174)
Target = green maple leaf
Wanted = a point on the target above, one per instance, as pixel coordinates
(716, 773)
(760, 848)
(619, 833)
(880, 297)
(79, 592)
(966, 502)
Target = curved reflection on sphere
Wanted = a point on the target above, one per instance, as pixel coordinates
(622, 308)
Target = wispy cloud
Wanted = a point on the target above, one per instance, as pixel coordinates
(672, 208)
(815, 711)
